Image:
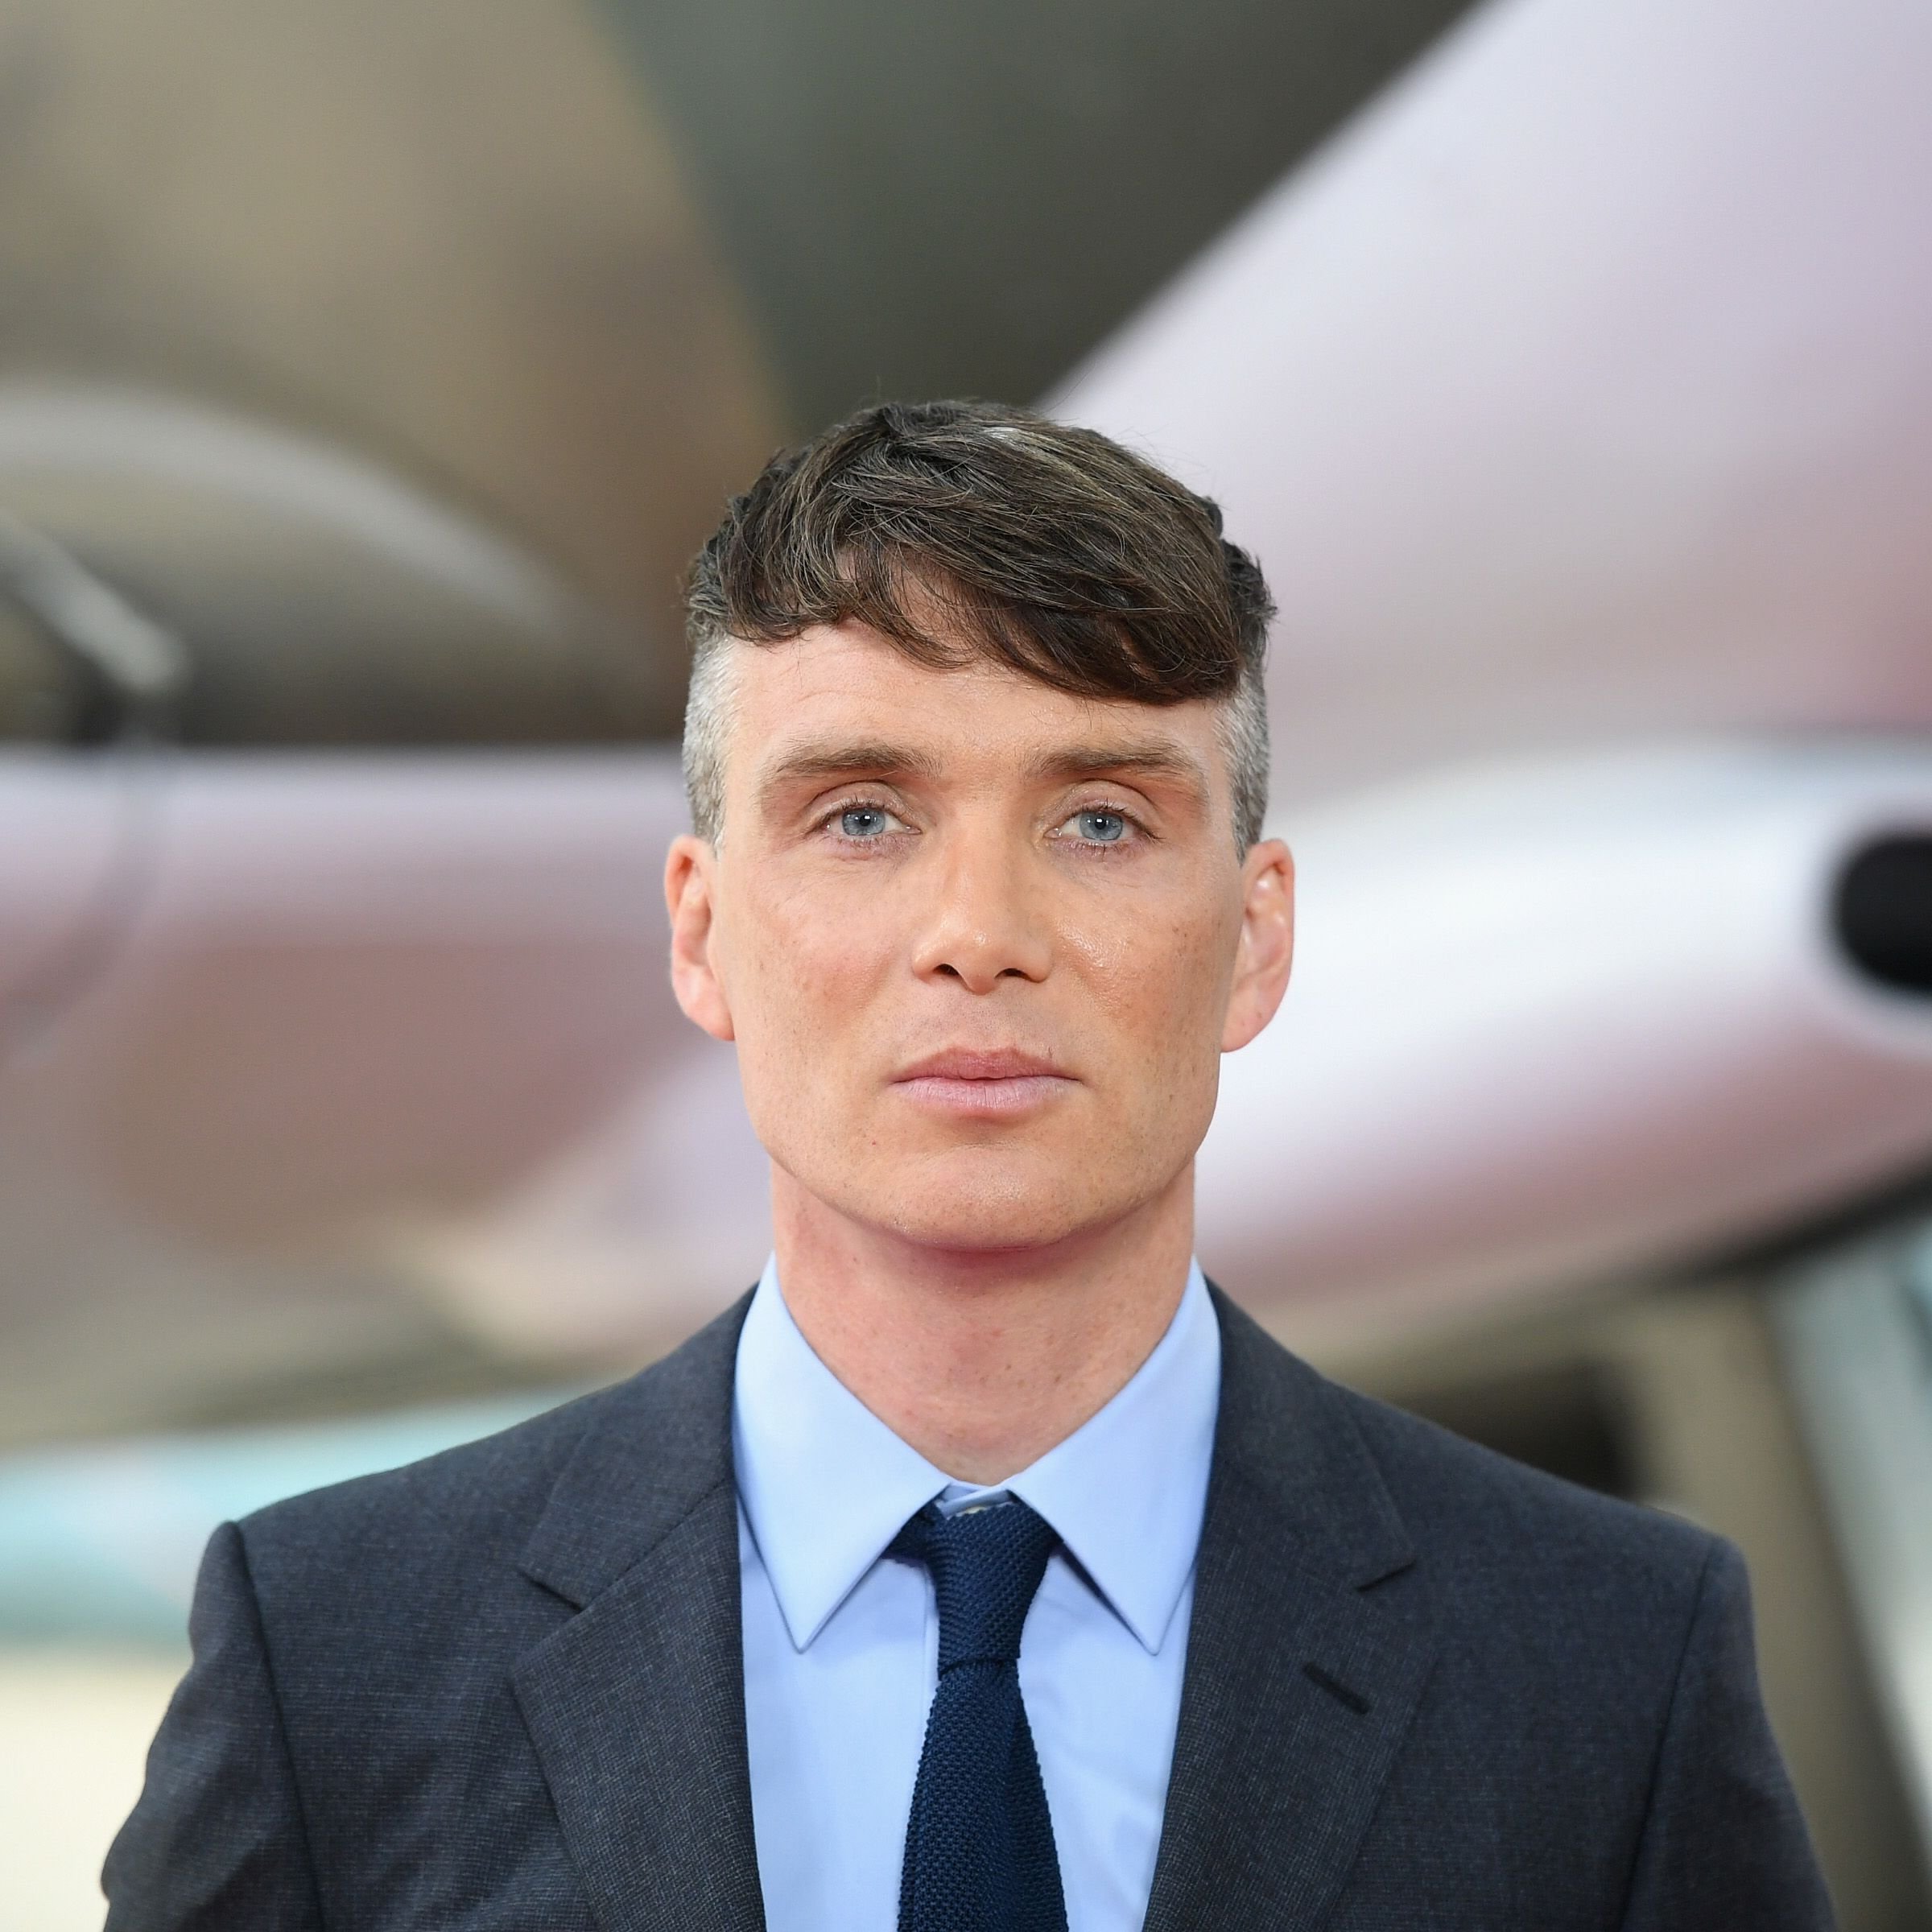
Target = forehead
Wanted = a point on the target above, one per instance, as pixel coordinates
(846, 684)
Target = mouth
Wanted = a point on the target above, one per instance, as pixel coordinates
(993, 1085)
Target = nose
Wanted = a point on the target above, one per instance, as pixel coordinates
(986, 925)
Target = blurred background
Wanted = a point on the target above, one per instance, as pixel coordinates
(370, 370)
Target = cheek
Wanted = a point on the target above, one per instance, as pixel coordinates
(808, 970)
(1160, 982)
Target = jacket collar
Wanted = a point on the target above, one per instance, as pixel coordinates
(1310, 1643)
(636, 1705)
(653, 1449)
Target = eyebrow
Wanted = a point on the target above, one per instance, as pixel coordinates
(1155, 760)
(874, 758)
(879, 759)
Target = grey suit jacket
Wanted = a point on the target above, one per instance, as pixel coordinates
(1425, 1687)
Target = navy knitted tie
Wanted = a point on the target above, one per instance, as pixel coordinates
(979, 1846)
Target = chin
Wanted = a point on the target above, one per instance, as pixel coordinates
(992, 1212)
(968, 1232)
(982, 1200)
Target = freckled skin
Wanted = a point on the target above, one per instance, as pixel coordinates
(977, 1280)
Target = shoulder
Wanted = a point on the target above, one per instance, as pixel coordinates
(473, 1497)
(432, 1526)
(1489, 1526)
(1587, 1687)
(1559, 1621)
(1503, 1546)
(1545, 1596)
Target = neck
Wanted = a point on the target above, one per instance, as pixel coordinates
(982, 1359)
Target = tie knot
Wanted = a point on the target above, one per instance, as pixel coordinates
(986, 1564)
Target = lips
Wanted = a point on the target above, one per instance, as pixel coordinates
(971, 1083)
(965, 1063)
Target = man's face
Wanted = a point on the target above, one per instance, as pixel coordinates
(980, 943)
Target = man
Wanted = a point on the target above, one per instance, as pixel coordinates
(985, 1567)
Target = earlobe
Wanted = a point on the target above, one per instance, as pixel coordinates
(689, 896)
(1266, 949)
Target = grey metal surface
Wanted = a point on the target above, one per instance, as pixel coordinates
(1856, 1329)
(446, 241)
(924, 200)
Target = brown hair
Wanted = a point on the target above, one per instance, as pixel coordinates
(1046, 547)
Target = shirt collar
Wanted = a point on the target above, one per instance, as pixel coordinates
(826, 1485)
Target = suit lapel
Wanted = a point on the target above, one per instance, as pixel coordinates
(636, 1705)
(1309, 1647)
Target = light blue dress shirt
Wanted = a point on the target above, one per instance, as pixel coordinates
(841, 1642)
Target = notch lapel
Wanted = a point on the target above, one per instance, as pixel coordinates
(1310, 1645)
(636, 1705)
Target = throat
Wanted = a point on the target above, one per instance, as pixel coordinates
(984, 1363)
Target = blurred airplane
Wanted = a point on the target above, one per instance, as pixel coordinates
(1576, 397)
(367, 375)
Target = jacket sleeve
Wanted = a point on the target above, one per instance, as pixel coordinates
(1723, 1842)
(216, 1843)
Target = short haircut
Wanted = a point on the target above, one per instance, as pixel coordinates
(1046, 548)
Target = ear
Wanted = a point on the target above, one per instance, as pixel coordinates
(1267, 943)
(689, 895)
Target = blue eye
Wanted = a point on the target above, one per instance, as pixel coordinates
(862, 821)
(1102, 827)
